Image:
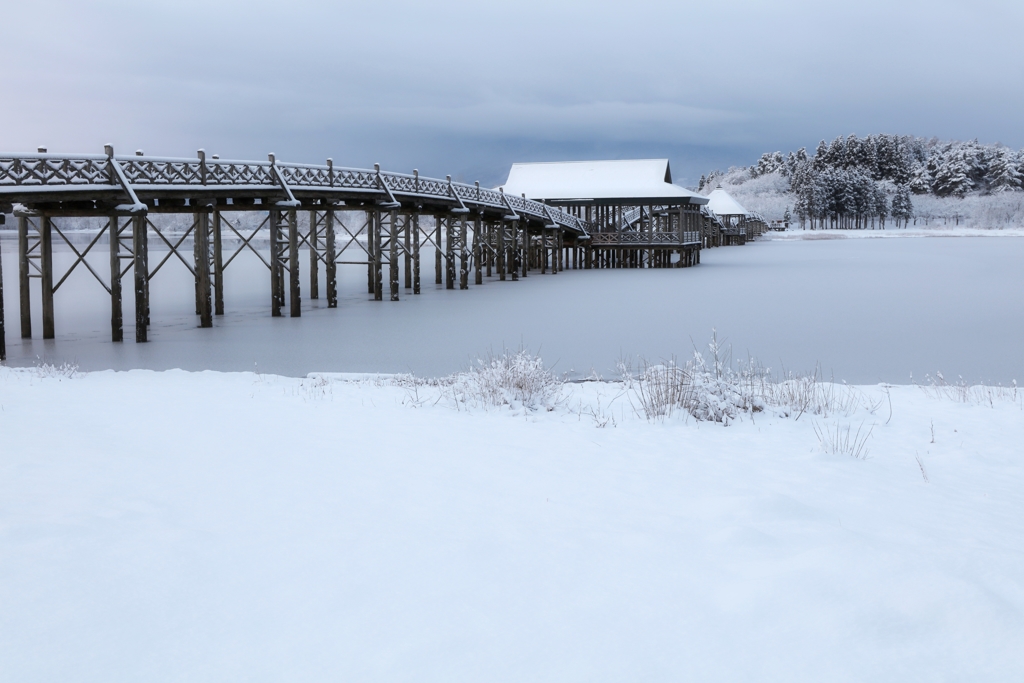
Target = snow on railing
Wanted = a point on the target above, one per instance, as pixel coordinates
(56, 173)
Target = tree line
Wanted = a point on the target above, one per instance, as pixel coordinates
(855, 182)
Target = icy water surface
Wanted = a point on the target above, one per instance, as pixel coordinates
(863, 310)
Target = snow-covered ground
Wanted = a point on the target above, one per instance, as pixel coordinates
(171, 526)
(865, 310)
(796, 233)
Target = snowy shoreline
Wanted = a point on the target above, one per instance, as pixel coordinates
(214, 525)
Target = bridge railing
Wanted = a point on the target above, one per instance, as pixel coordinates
(54, 173)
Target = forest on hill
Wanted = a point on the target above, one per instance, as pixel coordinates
(855, 182)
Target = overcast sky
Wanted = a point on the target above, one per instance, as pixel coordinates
(469, 87)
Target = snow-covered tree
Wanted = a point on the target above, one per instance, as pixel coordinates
(1005, 171)
(902, 206)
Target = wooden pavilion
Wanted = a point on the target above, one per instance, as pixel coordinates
(637, 217)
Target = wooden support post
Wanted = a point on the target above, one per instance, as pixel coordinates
(3, 331)
(407, 244)
(314, 266)
(489, 258)
(330, 257)
(294, 288)
(370, 278)
(116, 309)
(513, 249)
(437, 250)
(23, 279)
(415, 227)
(218, 265)
(378, 257)
(478, 277)
(501, 251)
(140, 249)
(46, 265)
(202, 266)
(276, 267)
(393, 254)
(463, 253)
(449, 253)
(526, 250)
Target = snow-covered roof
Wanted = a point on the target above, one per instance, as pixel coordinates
(723, 204)
(641, 180)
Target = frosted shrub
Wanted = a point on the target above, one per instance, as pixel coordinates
(65, 370)
(514, 379)
(962, 392)
(711, 388)
(707, 388)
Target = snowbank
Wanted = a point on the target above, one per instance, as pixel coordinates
(237, 526)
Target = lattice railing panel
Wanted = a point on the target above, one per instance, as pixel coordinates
(48, 170)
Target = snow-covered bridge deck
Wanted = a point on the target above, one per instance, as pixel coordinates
(469, 228)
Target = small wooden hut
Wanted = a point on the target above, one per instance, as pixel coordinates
(738, 224)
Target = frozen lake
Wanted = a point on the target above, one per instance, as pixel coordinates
(867, 310)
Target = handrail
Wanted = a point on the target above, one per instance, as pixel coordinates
(55, 173)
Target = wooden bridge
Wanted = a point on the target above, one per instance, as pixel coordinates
(470, 228)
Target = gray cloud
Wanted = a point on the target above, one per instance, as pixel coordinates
(469, 87)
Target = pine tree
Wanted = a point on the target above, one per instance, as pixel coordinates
(902, 207)
(1004, 172)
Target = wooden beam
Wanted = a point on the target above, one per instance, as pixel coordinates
(294, 283)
